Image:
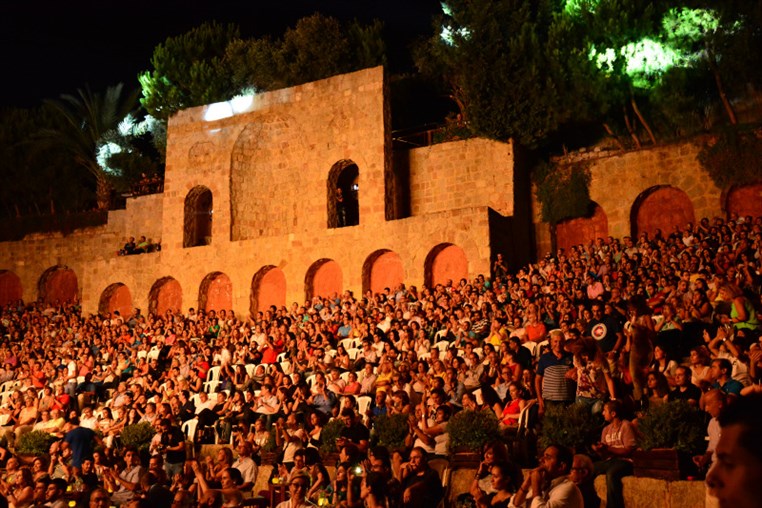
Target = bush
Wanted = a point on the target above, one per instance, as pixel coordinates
(138, 436)
(572, 426)
(675, 425)
(472, 429)
(329, 434)
(36, 443)
(391, 430)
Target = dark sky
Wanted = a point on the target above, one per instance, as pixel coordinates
(50, 47)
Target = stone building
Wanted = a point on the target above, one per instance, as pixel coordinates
(250, 214)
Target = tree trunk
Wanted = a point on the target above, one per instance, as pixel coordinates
(642, 120)
(720, 87)
(102, 193)
(629, 128)
(614, 137)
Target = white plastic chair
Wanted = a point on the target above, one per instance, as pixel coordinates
(212, 379)
(189, 428)
(363, 403)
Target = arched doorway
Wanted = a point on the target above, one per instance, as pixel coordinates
(268, 287)
(116, 297)
(745, 200)
(324, 278)
(582, 229)
(197, 224)
(215, 292)
(445, 262)
(10, 288)
(661, 208)
(58, 285)
(382, 269)
(166, 294)
(343, 195)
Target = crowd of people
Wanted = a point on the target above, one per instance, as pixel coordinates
(142, 246)
(620, 325)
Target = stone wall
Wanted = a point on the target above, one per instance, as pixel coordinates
(268, 168)
(622, 182)
(460, 174)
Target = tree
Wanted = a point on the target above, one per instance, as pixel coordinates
(189, 70)
(87, 119)
(317, 47)
(508, 68)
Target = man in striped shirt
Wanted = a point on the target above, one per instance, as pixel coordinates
(551, 383)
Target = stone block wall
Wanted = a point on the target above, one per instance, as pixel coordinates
(621, 182)
(473, 172)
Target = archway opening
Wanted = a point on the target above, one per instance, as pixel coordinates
(744, 200)
(58, 285)
(215, 292)
(343, 195)
(116, 297)
(323, 279)
(382, 269)
(268, 287)
(446, 263)
(582, 229)
(197, 225)
(166, 294)
(661, 208)
(10, 288)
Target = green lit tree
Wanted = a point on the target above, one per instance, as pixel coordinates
(85, 122)
(189, 70)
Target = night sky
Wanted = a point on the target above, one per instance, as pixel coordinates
(50, 47)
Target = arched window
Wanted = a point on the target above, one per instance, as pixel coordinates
(197, 226)
(343, 195)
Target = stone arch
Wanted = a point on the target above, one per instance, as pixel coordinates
(343, 176)
(58, 284)
(166, 294)
(268, 287)
(382, 269)
(661, 207)
(445, 262)
(197, 224)
(10, 288)
(323, 278)
(115, 297)
(215, 292)
(745, 200)
(582, 229)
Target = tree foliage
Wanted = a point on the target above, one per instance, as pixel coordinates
(88, 124)
(36, 179)
(189, 70)
(212, 62)
(562, 190)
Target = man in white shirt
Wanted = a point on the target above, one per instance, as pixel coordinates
(246, 465)
(549, 485)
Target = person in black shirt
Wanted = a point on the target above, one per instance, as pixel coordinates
(684, 389)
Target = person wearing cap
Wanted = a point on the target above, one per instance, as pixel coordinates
(298, 487)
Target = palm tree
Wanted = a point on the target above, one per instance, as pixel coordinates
(87, 119)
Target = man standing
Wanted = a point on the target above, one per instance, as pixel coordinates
(172, 444)
(606, 330)
(81, 441)
(549, 485)
(551, 383)
(714, 402)
(736, 476)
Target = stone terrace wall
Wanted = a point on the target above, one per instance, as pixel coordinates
(267, 167)
(141, 217)
(620, 179)
(474, 172)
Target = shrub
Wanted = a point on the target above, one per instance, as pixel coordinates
(391, 430)
(329, 434)
(35, 442)
(472, 429)
(138, 435)
(572, 426)
(675, 425)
